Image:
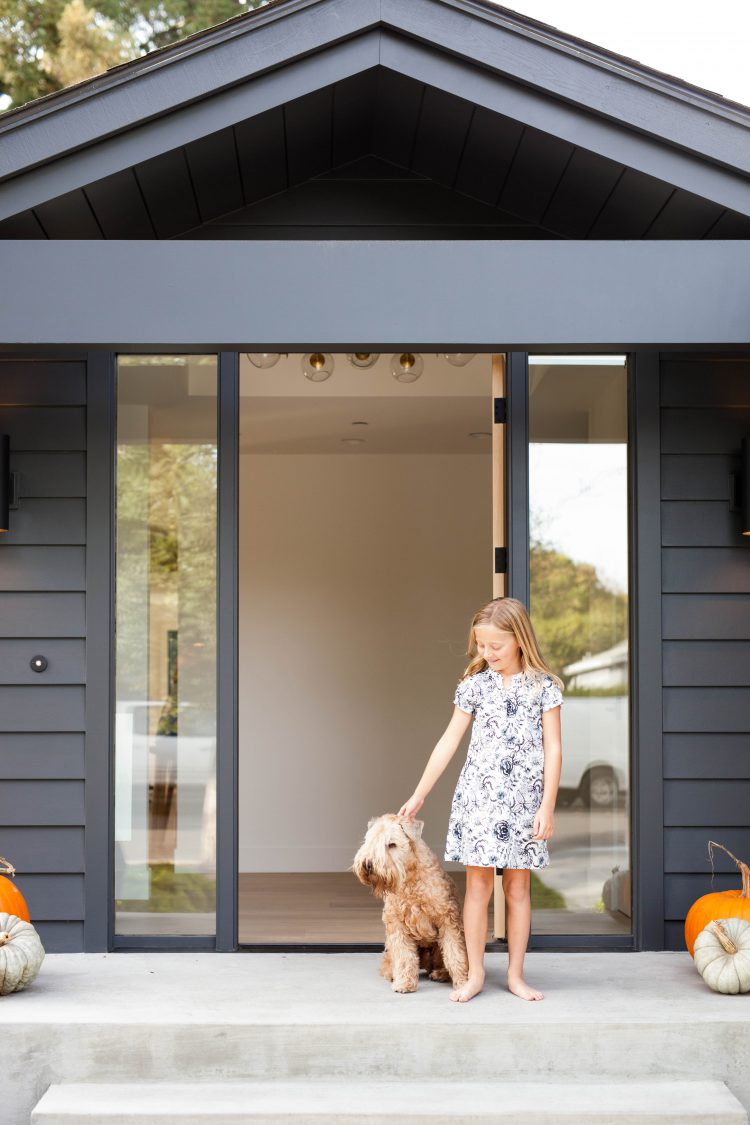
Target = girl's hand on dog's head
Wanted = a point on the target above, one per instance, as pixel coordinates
(412, 806)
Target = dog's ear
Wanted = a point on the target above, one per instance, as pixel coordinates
(371, 821)
(412, 828)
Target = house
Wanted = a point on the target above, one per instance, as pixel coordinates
(605, 669)
(319, 329)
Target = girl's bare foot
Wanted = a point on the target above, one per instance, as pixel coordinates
(466, 991)
(519, 987)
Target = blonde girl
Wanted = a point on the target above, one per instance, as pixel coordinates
(502, 812)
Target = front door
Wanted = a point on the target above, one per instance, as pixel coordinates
(370, 501)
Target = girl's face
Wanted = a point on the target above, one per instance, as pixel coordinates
(499, 647)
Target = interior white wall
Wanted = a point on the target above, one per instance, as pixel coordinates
(359, 575)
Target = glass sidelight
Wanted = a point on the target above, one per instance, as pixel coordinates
(578, 569)
(165, 611)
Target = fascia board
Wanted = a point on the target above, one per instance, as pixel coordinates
(593, 81)
(682, 168)
(178, 79)
(132, 146)
(153, 105)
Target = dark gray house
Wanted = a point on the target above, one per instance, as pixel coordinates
(252, 607)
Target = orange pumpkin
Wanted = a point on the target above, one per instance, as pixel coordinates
(718, 904)
(11, 899)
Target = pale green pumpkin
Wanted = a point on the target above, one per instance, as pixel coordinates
(21, 953)
(722, 955)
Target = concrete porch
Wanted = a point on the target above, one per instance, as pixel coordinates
(618, 1037)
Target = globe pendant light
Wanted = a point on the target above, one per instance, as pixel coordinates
(317, 366)
(407, 367)
(362, 359)
(263, 359)
(458, 359)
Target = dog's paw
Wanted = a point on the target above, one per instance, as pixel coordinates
(404, 986)
(440, 974)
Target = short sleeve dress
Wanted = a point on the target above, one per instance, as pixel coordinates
(500, 786)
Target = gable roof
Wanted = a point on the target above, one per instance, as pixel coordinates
(521, 24)
(591, 120)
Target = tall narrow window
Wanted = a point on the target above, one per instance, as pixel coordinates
(165, 723)
(579, 605)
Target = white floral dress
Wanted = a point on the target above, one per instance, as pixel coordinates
(501, 784)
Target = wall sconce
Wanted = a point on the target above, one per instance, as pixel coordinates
(739, 488)
(8, 484)
(742, 486)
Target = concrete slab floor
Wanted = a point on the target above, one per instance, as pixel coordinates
(342, 988)
(175, 1017)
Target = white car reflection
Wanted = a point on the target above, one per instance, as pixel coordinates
(595, 749)
(167, 758)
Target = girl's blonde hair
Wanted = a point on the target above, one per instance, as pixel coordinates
(509, 614)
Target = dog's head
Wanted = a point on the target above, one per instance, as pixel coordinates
(387, 852)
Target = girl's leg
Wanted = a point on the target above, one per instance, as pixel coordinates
(517, 889)
(479, 881)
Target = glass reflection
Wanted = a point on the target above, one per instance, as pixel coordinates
(165, 722)
(578, 554)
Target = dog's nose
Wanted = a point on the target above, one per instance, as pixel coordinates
(368, 866)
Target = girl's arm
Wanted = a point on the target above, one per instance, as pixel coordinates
(444, 750)
(544, 817)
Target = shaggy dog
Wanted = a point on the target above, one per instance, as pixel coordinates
(421, 914)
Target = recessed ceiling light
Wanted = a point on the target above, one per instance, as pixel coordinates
(353, 440)
(360, 423)
(480, 433)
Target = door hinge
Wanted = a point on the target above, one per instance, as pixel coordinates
(501, 560)
(501, 410)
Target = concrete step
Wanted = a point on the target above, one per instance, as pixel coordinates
(368, 1102)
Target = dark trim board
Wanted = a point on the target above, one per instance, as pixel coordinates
(647, 846)
(517, 464)
(227, 824)
(99, 790)
(444, 295)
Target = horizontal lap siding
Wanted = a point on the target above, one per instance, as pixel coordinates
(42, 612)
(705, 410)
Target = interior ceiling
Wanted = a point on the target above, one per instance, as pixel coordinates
(378, 155)
(281, 411)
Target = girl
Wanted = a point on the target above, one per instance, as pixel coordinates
(502, 810)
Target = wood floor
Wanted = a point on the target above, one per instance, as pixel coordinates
(334, 908)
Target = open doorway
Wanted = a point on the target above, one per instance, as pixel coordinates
(365, 545)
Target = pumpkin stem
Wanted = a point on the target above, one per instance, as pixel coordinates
(9, 868)
(718, 930)
(4, 936)
(744, 869)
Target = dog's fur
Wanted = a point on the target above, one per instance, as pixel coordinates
(422, 919)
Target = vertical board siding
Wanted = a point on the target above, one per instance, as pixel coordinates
(705, 409)
(42, 612)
